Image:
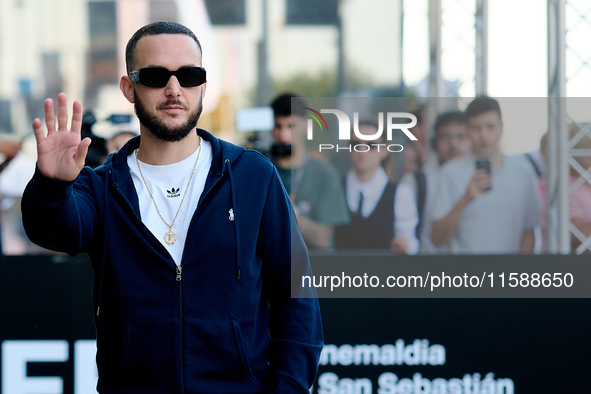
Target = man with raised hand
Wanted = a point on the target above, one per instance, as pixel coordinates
(193, 240)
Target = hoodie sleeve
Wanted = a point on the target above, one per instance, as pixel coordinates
(294, 322)
(59, 215)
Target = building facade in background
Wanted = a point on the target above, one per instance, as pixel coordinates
(77, 46)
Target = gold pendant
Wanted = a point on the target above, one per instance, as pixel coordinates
(170, 237)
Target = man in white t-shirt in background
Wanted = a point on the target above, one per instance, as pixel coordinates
(468, 217)
(449, 142)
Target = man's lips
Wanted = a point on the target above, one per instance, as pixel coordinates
(172, 105)
(172, 109)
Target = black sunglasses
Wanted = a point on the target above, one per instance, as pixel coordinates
(157, 77)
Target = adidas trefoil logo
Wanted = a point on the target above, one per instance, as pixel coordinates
(173, 192)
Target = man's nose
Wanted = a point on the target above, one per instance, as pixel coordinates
(173, 87)
(285, 135)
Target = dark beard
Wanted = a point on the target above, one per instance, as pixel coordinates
(157, 127)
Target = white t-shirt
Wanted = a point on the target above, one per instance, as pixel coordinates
(493, 222)
(168, 183)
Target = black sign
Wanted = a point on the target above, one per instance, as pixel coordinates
(477, 346)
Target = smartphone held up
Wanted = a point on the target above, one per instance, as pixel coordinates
(483, 163)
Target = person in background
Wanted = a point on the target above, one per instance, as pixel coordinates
(477, 211)
(536, 162)
(412, 158)
(383, 214)
(313, 185)
(420, 132)
(8, 149)
(579, 201)
(119, 139)
(414, 176)
(449, 142)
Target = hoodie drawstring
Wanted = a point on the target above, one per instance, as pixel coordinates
(105, 216)
(236, 228)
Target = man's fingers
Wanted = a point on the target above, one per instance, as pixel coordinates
(62, 112)
(49, 116)
(77, 116)
(38, 130)
(81, 152)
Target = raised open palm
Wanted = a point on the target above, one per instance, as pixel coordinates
(61, 154)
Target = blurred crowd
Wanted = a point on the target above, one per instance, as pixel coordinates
(457, 193)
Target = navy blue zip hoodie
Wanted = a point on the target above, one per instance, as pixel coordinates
(226, 322)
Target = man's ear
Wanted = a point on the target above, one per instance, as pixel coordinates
(126, 85)
(203, 87)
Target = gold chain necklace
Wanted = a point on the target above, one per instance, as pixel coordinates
(170, 236)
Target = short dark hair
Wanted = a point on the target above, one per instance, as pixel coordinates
(481, 105)
(449, 117)
(154, 29)
(282, 105)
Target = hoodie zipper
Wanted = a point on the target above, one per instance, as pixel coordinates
(179, 279)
